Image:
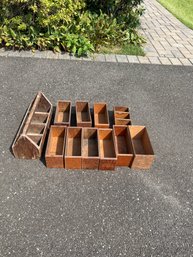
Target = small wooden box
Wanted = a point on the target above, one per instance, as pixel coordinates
(143, 151)
(73, 157)
(90, 150)
(63, 113)
(29, 141)
(122, 115)
(83, 116)
(101, 116)
(123, 145)
(56, 147)
(107, 151)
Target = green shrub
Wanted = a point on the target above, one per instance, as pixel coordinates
(80, 26)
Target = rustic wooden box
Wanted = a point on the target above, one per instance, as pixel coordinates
(107, 151)
(90, 148)
(83, 116)
(122, 115)
(63, 113)
(123, 146)
(143, 151)
(56, 147)
(73, 157)
(30, 137)
(101, 116)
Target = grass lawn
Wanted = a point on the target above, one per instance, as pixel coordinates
(126, 49)
(182, 9)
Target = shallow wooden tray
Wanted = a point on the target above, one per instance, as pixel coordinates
(123, 146)
(30, 137)
(143, 151)
(83, 116)
(56, 147)
(107, 153)
(101, 117)
(73, 157)
(63, 113)
(90, 148)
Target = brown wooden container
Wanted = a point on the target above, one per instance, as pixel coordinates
(107, 151)
(90, 150)
(83, 116)
(63, 113)
(30, 137)
(143, 151)
(73, 158)
(123, 146)
(121, 109)
(101, 117)
(56, 147)
(122, 115)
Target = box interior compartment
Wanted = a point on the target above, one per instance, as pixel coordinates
(63, 111)
(123, 122)
(141, 142)
(106, 144)
(122, 115)
(56, 141)
(35, 129)
(36, 139)
(43, 105)
(83, 112)
(121, 109)
(73, 143)
(39, 117)
(101, 115)
(90, 143)
(124, 145)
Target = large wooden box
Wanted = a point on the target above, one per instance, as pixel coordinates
(90, 150)
(101, 116)
(29, 141)
(83, 116)
(63, 113)
(107, 151)
(123, 146)
(143, 151)
(56, 147)
(73, 157)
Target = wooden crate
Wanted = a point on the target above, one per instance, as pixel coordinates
(122, 115)
(30, 137)
(123, 146)
(63, 113)
(101, 116)
(107, 153)
(90, 148)
(83, 116)
(56, 147)
(73, 157)
(143, 151)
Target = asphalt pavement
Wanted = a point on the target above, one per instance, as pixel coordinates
(66, 213)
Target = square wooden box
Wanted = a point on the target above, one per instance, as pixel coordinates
(101, 116)
(83, 116)
(73, 157)
(56, 147)
(123, 146)
(107, 151)
(90, 148)
(143, 151)
(63, 113)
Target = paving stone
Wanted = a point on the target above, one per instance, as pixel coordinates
(132, 59)
(99, 57)
(185, 61)
(165, 60)
(64, 56)
(154, 60)
(121, 58)
(110, 58)
(143, 59)
(191, 60)
(175, 61)
(51, 55)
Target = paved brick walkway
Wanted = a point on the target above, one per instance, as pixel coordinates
(169, 42)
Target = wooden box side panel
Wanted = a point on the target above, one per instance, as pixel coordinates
(90, 163)
(55, 161)
(143, 162)
(73, 162)
(105, 164)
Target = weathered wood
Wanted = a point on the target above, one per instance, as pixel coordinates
(101, 116)
(83, 116)
(122, 115)
(63, 113)
(56, 147)
(30, 137)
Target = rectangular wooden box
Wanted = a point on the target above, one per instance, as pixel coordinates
(122, 115)
(123, 146)
(73, 157)
(56, 147)
(83, 116)
(63, 113)
(143, 151)
(101, 116)
(29, 141)
(107, 151)
(90, 148)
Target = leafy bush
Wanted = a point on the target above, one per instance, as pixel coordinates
(80, 26)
